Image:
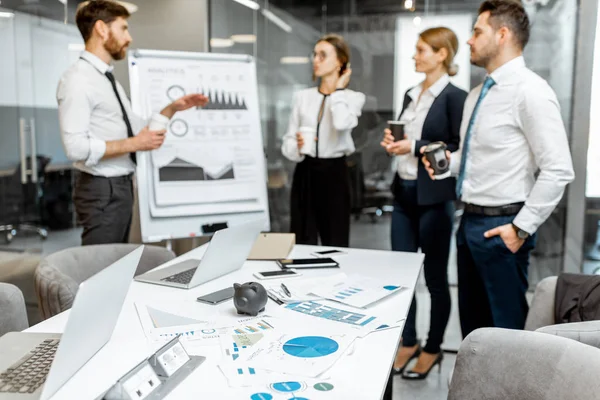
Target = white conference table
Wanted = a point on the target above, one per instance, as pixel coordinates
(361, 375)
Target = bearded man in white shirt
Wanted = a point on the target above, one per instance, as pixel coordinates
(512, 169)
(99, 131)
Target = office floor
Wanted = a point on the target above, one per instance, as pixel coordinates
(364, 234)
(368, 235)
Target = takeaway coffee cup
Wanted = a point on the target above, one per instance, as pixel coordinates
(310, 145)
(158, 122)
(397, 128)
(436, 155)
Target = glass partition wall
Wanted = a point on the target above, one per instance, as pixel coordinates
(34, 169)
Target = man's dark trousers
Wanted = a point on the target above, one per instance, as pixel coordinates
(492, 281)
(104, 208)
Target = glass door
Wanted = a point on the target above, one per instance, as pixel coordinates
(20, 212)
(35, 173)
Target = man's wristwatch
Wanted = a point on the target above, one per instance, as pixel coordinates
(521, 234)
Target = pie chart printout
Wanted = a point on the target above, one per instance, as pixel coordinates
(310, 346)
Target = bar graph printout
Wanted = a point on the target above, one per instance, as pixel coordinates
(357, 291)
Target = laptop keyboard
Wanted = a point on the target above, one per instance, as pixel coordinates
(183, 277)
(30, 372)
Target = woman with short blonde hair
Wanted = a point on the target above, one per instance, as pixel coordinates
(423, 208)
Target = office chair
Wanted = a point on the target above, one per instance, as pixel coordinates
(369, 167)
(13, 317)
(377, 197)
(58, 276)
(20, 203)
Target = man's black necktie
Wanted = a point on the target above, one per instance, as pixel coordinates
(111, 78)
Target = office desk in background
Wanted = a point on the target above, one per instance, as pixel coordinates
(363, 375)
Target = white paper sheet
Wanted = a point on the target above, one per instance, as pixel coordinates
(336, 317)
(295, 388)
(356, 291)
(162, 323)
(305, 352)
(301, 288)
(236, 340)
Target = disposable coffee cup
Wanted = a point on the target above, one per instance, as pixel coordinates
(158, 122)
(436, 155)
(397, 128)
(309, 146)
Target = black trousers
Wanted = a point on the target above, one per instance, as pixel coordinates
(320, 202)
(104, 207)
(428, 227)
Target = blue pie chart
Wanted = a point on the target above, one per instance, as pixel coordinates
(310, 346)
(261, 396)
(286, 387)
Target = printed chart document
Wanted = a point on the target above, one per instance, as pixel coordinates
(285, 387)
(239, 374)
(356, 291)
(301, 289)
(162, 323)
(306, 352)
(236, 341)
(337, 317)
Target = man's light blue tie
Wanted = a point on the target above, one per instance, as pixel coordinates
(487, 84)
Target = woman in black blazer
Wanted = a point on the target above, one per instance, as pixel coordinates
(424, 208)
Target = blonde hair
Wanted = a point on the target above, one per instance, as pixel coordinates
(443, 38)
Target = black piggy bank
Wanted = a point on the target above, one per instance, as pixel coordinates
(249, 298)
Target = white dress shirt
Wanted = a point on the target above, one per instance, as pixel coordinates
(90, 115)
(414, 117)
(518, 130)
(340, 115)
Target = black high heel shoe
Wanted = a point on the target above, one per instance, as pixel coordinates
(417, 353)
(413, 376)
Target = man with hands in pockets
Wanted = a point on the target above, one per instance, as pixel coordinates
(511, 130)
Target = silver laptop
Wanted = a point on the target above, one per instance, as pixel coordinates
(227, 251)
(37, 365)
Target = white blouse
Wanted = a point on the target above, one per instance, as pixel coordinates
(340, 115)
(414, 116)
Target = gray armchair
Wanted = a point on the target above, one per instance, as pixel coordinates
(58, 276)
(547, 361)
(13, 316)
(541, 310)
(18, 269)
(502, 364)
(541, 317)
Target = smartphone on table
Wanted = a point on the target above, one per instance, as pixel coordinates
(307, 263)
(217, 297)
(328, 253)
(284, 273)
